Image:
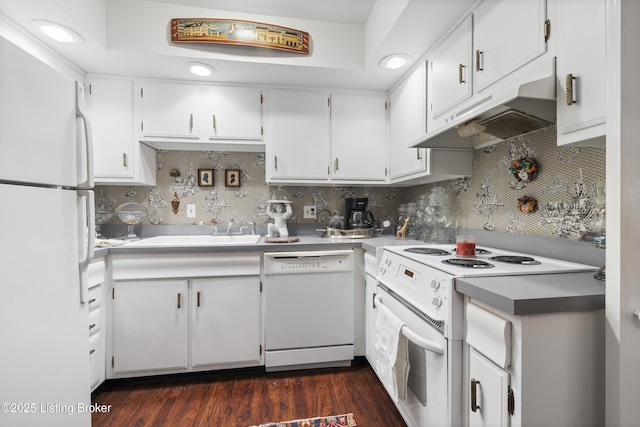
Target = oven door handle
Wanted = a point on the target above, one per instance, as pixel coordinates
(428, 345)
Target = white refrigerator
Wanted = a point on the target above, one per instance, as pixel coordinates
(46, 235)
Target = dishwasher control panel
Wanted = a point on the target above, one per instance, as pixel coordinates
(308, 262)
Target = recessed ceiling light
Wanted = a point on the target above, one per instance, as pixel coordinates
(199, 69)
(392, 62)
(57, 32)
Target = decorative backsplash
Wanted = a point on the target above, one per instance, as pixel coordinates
(508, 179)
(557, 197)
(246, 203)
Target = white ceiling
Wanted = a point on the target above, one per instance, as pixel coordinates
(348, 38)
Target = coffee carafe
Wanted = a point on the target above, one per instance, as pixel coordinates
(357, 214)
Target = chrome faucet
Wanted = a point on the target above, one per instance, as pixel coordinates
(230, 226)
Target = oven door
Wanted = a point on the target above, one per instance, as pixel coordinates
(426, 402)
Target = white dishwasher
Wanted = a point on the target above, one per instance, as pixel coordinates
(309, 309)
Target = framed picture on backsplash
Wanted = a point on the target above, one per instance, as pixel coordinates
(231, 178)
(205, 177)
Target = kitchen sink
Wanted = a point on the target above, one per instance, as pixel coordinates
(196, 240)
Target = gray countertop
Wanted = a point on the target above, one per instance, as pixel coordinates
(518, 295)
(536, 294)
(305, 243)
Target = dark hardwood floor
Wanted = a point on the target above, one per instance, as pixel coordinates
(246, 397)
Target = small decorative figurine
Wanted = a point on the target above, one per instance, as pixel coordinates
(524, 170)
(175, 203)
(527, 204)
(280, 211)
(400, 234)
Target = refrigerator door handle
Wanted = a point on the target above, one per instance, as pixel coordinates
(86, 234)
(88, 139)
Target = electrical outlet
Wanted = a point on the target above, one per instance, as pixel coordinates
(191, 211)
(310, 212)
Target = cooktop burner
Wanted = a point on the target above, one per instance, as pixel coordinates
(468, 263)
(427, 251)
(479, 251)
(515, 259)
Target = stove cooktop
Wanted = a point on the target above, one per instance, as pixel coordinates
(486, 262)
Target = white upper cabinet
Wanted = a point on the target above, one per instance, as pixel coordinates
(231, 113)
(408, 124)
(118, 157)
(581, 71)
(449, 70)
(298, 136)
(359, 135)
(169, 110)
(507, 34)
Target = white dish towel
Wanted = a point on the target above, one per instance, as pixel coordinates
(391, 349)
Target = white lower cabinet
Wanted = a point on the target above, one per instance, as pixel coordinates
(489, 392)
(177, 313)
(96, 322)
(150, 325)
(225, 320)
(533, 370)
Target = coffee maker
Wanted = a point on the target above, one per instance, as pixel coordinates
(356, 213)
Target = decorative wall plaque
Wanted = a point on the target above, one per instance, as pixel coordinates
(238, 32)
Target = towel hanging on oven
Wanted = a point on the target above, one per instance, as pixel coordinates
(391, 349)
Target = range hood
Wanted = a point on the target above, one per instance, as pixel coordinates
(514, 108)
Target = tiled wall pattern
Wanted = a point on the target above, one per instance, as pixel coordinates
(565, 188)
(243, 204)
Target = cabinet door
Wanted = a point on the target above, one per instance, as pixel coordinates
(407, 124)
(359, 135)
(298, 135)
(507, 34)
(581, 55)
(490, 385)
(110, 106)
(169, 110)
(232, 113)
(225, 320)
(150, 325)
(449, 71)
(370, 318)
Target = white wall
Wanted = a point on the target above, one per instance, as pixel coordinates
(623, 207)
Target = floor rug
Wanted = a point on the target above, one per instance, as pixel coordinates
(332, 421)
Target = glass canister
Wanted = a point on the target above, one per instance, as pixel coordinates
(437, 214)
(413, 226)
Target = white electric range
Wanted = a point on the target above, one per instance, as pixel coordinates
(417, 284)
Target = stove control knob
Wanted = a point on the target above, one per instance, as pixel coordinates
(382, 269)
(437, 301)
(387, 261)
(435, 284)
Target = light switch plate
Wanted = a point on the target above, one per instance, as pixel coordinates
(310, 212)
(191, 210)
